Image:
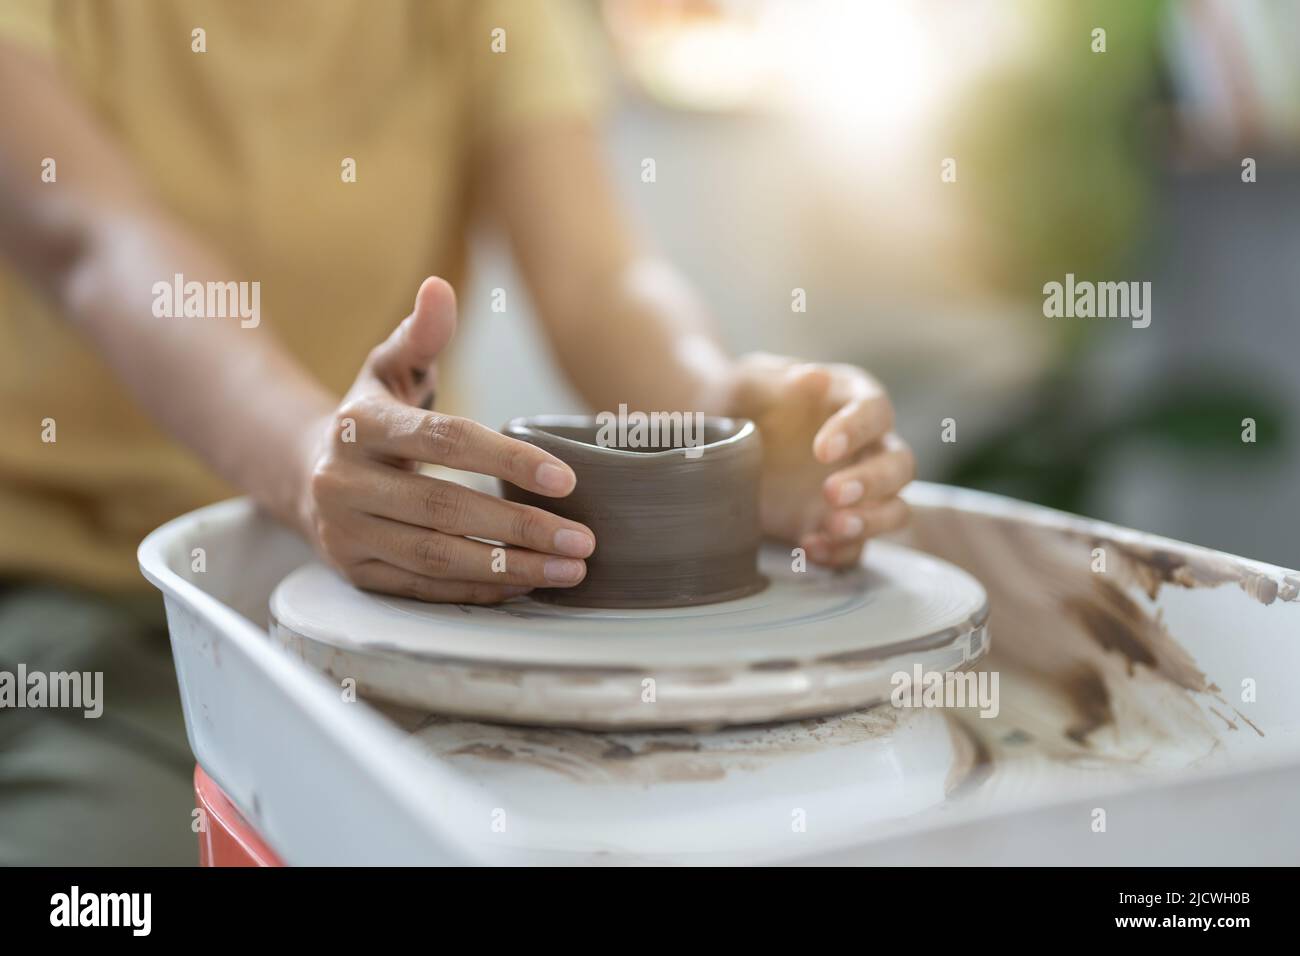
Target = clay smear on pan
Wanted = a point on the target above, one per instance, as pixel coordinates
(1152, 567)
(1087, 671)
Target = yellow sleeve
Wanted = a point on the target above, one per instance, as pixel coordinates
(533, 63)
(29, 23)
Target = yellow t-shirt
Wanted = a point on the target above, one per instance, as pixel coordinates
(246, 143)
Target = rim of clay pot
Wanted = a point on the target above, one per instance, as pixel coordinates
(538, 424)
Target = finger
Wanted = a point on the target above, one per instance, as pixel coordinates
(401, 432)
(403, 363)
(379, 576)
(454, 509)
(878, 474)
(862, 419)
(865, 521)
(808, 381)
(846, 555)
(437, 555)
(823, 551)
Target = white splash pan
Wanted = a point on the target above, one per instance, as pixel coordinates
(1144, 720)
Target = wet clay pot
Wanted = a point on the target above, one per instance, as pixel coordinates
(674, 526)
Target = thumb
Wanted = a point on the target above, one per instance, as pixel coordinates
(403, 363)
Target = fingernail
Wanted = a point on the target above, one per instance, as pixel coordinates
(554, 478)
(836, 447)
(573, 542)
(850, 492)
(850, 526)
(564, 570)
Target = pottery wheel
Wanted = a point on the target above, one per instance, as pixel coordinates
(810, 643)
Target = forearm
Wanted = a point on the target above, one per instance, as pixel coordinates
(644, 339)
(231, 394)
(96, 243)
(625, 327)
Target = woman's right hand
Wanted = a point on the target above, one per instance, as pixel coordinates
(371, 516)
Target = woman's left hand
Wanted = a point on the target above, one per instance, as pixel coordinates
(832, 466)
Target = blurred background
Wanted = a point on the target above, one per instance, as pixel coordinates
(798, 145)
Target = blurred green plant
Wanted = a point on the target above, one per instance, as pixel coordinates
(1067, 154)
(1056, 450)
(1063, 147)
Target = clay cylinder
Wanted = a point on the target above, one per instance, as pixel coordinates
(674, 526)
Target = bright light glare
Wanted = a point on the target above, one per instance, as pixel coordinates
(865, 68)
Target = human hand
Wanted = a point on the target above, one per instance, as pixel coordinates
(832, 467)
(371, 516)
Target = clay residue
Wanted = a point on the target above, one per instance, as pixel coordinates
(868, 656)
(486, 751)
(1151, 567)
(1248, 722)
(1119, 624)
(620, 751)
(1090, 699)
(643, 758)
(972, 761)
(1085, 661)
(1229, 723)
